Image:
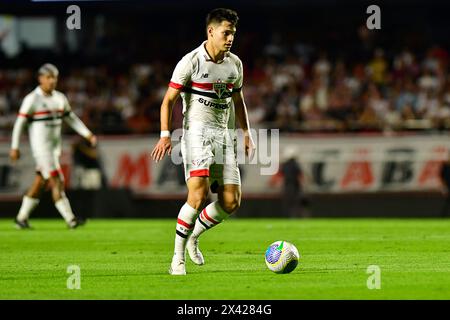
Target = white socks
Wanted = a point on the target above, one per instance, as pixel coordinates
(185, 223)
(63, 206)
(212, 215)
(28, 205)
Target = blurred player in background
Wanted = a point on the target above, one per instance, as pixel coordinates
(43, 111)
(209, 80)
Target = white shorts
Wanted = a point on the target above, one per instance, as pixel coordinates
(47, 165)
(210, 152)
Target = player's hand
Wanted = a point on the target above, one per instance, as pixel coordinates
(163, 146)
(14, 155)
(92, 140)
(250, 146)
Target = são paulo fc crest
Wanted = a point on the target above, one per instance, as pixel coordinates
(220, 88)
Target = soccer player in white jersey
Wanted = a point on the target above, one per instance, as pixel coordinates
(209, 80)
(42, 111)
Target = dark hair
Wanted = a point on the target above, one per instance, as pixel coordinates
(221, 14)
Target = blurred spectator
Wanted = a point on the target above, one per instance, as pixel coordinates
(376, 102)
(111, 121)
(340, 104)
(256, 110)
(292, 188)
(139, 122)
(377, 68)
(368, 119)
(88, 171)
(322, 68)
(407, 113)
(407, 96)
(391, 118)
(428, 81)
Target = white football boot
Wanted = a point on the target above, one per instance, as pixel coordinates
(177, 267)
(194, 252)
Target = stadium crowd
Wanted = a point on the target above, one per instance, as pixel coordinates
(300, 89)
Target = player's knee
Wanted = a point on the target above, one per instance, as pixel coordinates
(197, 198)
(231, 205)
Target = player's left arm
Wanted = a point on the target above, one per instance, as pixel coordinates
(76, 124)
(242, 117)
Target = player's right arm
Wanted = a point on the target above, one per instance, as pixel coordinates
(180, 77)
(25, 111)
(164, 145)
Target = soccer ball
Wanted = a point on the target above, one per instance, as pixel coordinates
(282, 257)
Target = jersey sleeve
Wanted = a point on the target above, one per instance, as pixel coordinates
(66, 107)
(240, 79)
(25, 112)
(26, 109)
(73, 121)
(182, 74)
(19, 125)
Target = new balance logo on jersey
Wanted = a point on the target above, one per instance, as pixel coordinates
(205, 75)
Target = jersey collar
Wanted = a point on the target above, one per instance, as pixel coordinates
(206, 56)
(41, 92)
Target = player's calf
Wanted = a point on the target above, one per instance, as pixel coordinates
(211, 216)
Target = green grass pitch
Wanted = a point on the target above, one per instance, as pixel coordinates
(128, 259)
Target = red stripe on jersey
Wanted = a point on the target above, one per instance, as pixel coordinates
(204, 86)
(209, 85)
(39, 113)
(46, 112)
(208, 217)
(199, 173)
(185, 224)
(175, 85)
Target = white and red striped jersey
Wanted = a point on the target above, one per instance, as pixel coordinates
(207, 87)
(44, 114)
